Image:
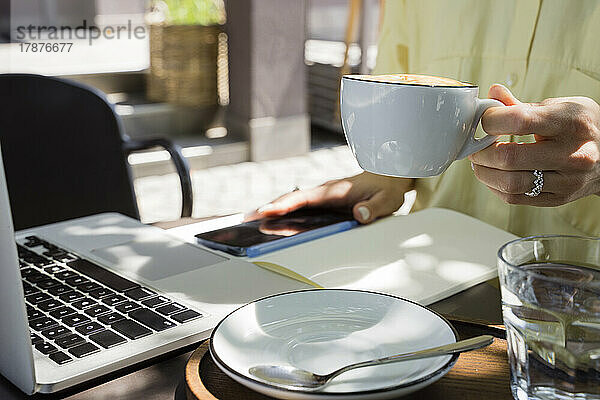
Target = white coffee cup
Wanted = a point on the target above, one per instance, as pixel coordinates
(410, 129)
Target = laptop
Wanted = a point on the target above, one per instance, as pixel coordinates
(86, 297)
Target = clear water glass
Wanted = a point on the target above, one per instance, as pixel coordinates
(551, 307)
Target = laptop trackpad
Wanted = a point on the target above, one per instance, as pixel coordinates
(156, 257)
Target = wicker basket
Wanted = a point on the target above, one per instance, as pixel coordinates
(183, 64)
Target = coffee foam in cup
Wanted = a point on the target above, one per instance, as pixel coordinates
(411, 79)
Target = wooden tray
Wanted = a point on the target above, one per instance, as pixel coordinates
(477, 374)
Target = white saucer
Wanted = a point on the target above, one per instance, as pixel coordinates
(323, 330)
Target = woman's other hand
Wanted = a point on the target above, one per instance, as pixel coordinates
(567, 149)
(367, 195)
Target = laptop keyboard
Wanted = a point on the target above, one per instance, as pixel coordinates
(76, 308)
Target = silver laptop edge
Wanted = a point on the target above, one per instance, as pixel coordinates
(16, 357)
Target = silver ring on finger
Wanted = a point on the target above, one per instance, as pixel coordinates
(538, 184)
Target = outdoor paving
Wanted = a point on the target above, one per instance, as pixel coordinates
(241, 187)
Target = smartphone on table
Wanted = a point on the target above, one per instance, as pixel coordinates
(264, 235)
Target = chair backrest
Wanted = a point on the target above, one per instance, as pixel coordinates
(62, 146)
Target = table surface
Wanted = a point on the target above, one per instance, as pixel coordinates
(156, 380)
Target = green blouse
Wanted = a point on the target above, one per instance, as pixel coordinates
(537, 48)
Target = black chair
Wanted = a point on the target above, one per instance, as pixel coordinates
(65, 153)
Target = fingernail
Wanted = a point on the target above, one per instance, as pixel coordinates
(364, 212)
(266, 207)
(472, 166)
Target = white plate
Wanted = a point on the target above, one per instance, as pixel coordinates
(323, 330)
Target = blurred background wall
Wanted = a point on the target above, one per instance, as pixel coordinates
(279, 64)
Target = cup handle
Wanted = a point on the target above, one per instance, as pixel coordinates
(473, 145)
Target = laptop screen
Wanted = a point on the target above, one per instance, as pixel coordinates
(16, 357)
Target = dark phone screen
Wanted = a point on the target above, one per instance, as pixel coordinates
(268, 229)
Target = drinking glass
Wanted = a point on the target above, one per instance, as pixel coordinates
(551, 308)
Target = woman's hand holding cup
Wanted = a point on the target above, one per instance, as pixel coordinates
(567, 149)
(566, 154)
